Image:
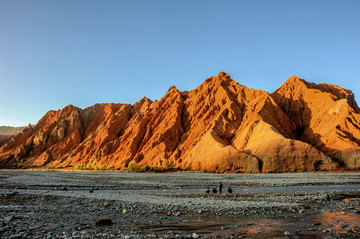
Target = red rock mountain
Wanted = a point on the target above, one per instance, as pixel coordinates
(221, 126)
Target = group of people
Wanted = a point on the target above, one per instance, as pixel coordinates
(219, 189)
(65, 189)
(214, 190)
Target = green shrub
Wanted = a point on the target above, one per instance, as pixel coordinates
(77, 167)
(18, 165)
(133, 166)
(89, 167)
(167, 166)
(147, 168)
(103, 167)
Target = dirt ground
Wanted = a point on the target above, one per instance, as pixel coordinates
(35, 204)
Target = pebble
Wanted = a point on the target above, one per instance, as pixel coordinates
(8, 219)
(194, 235)
(124, 210)
(287, 233)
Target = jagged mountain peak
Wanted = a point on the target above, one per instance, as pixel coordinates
(221, 86)
(172, 90)
(296, 88)
(294, 79)
(295, 83)
(221, 79)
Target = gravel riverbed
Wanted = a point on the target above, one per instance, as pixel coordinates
(33, 204)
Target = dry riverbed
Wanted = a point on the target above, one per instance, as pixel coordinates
(176, 205)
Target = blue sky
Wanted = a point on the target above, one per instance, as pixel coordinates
(82, 52)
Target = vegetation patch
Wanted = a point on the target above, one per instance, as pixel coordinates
(135, 167)
(132, 167)
(17, 166)
(92, 167)
(165, 167)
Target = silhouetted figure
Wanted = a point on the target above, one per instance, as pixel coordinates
(220, 187)
(91, 190)
(229, 190)
(207, 190)
(214, 190)
(64, 188)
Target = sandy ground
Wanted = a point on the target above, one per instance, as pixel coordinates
(176, 205)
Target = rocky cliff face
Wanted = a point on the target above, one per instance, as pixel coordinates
(221, 126)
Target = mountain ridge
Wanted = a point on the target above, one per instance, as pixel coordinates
(220, 126)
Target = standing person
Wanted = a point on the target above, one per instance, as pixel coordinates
(220, 187)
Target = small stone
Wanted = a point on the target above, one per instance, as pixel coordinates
(106, 204)
(301, 211)
(177, 214)
(8, 219)
(194, 235)
(16, 236)
(287, 233)
(124, 210)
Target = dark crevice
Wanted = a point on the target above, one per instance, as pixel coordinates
(348, 135)
(318, 165)
(352, 122)
(299, 132)
(260, 164)
(182, 120)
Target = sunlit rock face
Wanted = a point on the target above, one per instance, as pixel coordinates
(221, 126)
(325, 116)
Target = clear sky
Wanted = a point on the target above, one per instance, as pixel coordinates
(82, 52)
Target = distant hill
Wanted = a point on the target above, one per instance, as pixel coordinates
(8, 130)
(4, 139)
